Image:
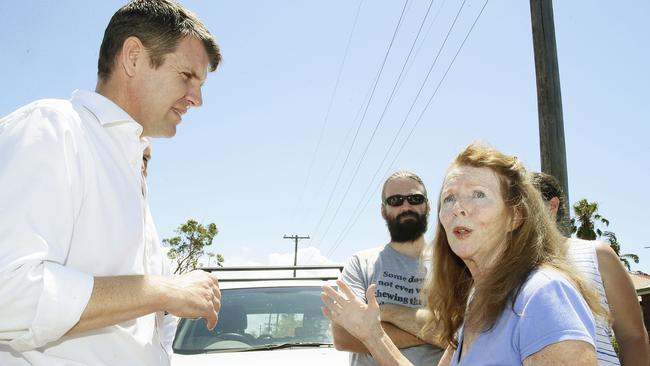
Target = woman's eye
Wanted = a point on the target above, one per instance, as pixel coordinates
(478, 194)
(449, 199)
(186, 75)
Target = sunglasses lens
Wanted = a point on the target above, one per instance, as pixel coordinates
(415, 199)
(396, 200)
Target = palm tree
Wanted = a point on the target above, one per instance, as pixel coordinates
(586, 213)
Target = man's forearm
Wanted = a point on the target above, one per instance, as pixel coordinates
(409, 320)
(118, 299)
(344, 341)
(385, 353)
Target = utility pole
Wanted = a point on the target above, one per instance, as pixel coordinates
(295, 251)
(549, 97)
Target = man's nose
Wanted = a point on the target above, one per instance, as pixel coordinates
(194, 96)
(406, 206)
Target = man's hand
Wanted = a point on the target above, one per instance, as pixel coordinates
(194, 294)
(120, 298)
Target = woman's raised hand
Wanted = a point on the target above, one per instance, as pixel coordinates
(345, 309)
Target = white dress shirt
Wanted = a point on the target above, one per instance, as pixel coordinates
(72, 208)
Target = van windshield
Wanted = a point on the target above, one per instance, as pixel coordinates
(259, 318)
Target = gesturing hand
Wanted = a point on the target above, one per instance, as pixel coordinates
(345, 309)
(194, 295)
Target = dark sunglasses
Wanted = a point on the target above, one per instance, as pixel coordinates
(398, 199)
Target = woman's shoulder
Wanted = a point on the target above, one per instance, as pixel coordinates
(550, 310)
(545, 283)
(545, 276)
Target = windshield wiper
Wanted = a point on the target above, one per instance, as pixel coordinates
(271, 346)
(264, 347)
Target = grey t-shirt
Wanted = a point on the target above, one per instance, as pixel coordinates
(399, 279)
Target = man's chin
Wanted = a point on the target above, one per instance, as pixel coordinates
(167, 133)
(404, 220)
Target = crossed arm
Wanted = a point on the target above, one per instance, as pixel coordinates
(344, 341)
(400, 323)
(362, 322)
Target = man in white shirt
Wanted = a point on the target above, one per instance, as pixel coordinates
(81, 269)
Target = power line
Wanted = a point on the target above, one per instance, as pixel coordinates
(381, 118)
(327, 113)
(416, 123)
(408, 114)
(361, 121)
(338, 153)
(366, 99)
(426, 36)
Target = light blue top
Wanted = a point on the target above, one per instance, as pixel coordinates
(548, 310)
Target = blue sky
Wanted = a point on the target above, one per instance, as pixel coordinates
(243, 160)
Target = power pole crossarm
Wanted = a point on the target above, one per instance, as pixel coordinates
(295, 251)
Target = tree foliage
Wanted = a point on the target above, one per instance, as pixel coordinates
(589, 220)
(587, 215)
(188, 247)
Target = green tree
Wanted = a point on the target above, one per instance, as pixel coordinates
(587, 215)
(189, 246)
(589, 220)
(216, 257)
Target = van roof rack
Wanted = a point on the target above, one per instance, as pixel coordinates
(274, 268)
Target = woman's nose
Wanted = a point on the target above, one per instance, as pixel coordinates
(459, 209)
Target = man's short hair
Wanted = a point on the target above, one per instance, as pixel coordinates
(550, 187)
(403, 174)
(160, 25)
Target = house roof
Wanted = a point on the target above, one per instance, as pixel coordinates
(641, 282)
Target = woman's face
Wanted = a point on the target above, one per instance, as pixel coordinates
(474, 216)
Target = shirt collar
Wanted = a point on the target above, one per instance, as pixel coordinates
(104, 109)
(117, 123)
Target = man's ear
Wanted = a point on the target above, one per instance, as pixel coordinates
(383, 211)
(553, 206)
(133, 52)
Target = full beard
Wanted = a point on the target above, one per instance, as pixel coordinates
(402, 231)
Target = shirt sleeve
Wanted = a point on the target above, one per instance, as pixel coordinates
(352, 275)
(169, 325)
(555, 312)
(168, 322)
(40, 298)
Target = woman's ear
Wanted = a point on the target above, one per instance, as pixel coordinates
(517, 219)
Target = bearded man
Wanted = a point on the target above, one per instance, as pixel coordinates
(398, 271)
